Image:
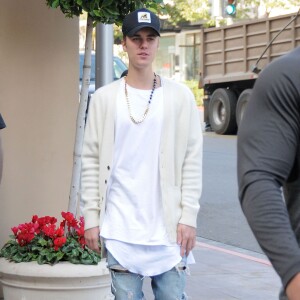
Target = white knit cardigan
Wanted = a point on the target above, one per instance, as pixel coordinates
(180, 156)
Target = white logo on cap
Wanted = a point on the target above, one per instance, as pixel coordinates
(144, 17)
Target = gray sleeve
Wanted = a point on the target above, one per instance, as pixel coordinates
(268, 146)
(2, 123)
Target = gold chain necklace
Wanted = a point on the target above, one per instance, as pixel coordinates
(148, 104)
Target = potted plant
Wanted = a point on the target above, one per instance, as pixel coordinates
(44, 241)
(45, 258)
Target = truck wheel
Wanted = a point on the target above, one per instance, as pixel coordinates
(222, 107)
(242, 104)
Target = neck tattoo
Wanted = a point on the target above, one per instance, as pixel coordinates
(140, 120)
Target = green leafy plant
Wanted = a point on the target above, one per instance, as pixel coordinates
(103, 11)
(198, 93)
(44, 241)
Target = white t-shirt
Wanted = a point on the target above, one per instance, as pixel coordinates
(133, 225)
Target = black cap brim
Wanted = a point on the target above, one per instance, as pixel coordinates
(138, 28)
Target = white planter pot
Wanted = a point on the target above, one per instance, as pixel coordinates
(63, 281)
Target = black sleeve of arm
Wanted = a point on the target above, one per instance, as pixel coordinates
(268, 144)
(2, 123)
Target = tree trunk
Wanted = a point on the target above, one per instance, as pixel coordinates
(80, 123)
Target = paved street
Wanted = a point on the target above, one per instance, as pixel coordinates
(220, 217)
(225, 272)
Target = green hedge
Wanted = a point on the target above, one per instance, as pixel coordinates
(198, 93)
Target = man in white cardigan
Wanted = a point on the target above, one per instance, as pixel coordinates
(142, 171)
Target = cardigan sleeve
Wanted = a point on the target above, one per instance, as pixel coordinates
(90, 165)
(97, 153)
(191, 186)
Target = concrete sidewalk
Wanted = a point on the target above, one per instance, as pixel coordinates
(225, 272)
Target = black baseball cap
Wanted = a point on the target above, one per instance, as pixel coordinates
(138, 19)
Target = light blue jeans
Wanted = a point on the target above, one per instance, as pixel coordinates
(166, 286)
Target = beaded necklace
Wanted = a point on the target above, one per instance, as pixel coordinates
(138, 121)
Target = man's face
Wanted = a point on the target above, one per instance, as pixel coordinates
(142, 47)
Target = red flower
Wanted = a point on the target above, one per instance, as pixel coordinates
(15, 230)
(25, 233)
(68, 216)
(46, 220)
(59, 231)
(59, 242)
(62, 224)
(37, 228)
(24, 238)
(80, 229)
(34, 218)
(70, 219)
(49, 230)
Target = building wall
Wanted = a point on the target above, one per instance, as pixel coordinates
(178, 56)
(38, 101)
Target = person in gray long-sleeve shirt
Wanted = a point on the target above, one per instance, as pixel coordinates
(269, 167)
